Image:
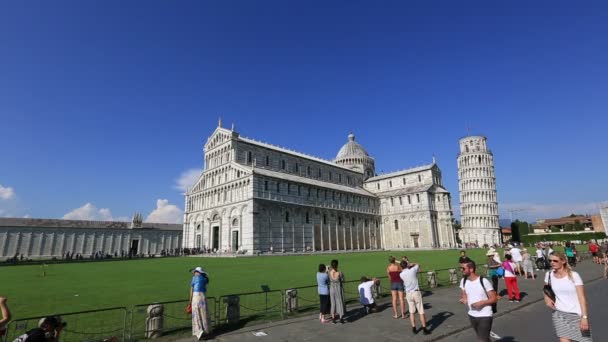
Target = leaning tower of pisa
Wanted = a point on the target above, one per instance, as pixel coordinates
(477, 186)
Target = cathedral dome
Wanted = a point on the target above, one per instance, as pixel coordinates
(352, 150)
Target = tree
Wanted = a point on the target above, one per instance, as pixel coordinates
(519, 229)
(456, 226)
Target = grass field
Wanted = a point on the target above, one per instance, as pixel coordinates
(86, 286)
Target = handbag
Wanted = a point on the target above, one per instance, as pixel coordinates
(548, 290)
(189, 309)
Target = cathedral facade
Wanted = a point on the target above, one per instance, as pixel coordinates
(253, 197)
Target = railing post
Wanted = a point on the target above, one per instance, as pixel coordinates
(431, 279)
(155, 321)
(291, 300)
(233, 308)
(453, 276)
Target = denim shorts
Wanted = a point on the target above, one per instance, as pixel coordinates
(397, 286)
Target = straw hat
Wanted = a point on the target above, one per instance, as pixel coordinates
(491, 252)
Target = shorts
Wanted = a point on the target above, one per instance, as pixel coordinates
(325, 304)
(414, 302)
(594, 254)
(397, 286)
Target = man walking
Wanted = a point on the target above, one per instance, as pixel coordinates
(479, 295)
(409, 275)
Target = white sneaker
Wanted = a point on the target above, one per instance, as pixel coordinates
(494, 335)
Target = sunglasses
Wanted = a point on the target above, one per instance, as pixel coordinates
(554, 260)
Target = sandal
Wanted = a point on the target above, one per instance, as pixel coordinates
(395, 316)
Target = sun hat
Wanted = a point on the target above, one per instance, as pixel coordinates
(490, 252)
(199, 270)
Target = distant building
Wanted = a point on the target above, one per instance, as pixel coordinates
(598, 224)
(507, 233)
(567, 223)
(253, 197)
(46, 238)
(604, 216)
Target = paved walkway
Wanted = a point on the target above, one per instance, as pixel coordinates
(446, 318)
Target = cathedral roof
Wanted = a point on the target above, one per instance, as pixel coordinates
(402, 172)
(433, 188)
(352, 149)
(313, 182)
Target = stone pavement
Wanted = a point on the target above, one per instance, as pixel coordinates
(445, 315)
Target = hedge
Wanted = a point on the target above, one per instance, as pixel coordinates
(563, 237)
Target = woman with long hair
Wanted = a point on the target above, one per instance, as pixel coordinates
(393, 270)
(336, 293)
(198, 300)
(569, 306)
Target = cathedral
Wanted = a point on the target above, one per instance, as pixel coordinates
(254, 197)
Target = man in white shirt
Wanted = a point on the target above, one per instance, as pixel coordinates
(365, 294)
(479, 295)
(540, 258)
(517, 259)
(409, 275)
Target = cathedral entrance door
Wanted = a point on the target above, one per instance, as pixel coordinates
(415, 238)
(235, 240)
(216, 238)
(198, 240)
(134, 247)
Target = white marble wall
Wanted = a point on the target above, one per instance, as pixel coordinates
(55, 242)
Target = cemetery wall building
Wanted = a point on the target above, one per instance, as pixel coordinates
(254, 197)
(47, 238)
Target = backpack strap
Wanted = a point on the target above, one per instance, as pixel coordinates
(483, 286)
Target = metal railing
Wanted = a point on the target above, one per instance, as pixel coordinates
(253, 306)
(90, 325)
(225, 312)
(175, 318)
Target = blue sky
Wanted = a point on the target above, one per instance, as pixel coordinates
(105, 105)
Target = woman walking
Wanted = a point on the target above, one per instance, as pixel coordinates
(570, 319)
(569, 250)
(323, 290)
(198, 300)
(394, 271)
(493, 265)
(511, 279)
(336, 293)
(528, 265)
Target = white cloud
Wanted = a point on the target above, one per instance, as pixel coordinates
(165, 213)
(89, 212)
(187, 179)
(6, 193)
(534, 211)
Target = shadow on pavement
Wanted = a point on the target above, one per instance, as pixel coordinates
(356, 314)
(437, 319)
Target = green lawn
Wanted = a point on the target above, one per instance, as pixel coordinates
(86, 286)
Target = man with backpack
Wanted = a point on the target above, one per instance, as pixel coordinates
(479, 295)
